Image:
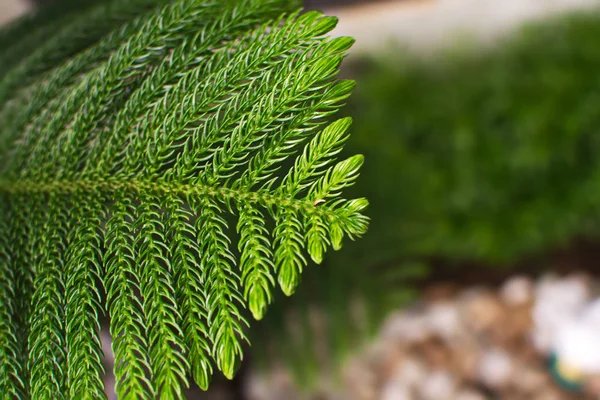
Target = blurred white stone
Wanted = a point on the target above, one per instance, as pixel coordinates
(439, 385)
(558, 302)
(495, 368)
(384, 354)
(406, 326)
(396, 391)
(410, 373)
(517, 291)
(578, 345)
(572, 292)
(547, 320)
(591, 314)
(444, 320)
(481, 309)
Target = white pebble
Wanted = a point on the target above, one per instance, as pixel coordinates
(558, 302)
(410, 373)
(578, 345)
(444, 320)
(517, 291)
(396, 391)
(548, 318)
(495, 368)
(438, 386)
(570, 293)
(406, 327)
(591, 314)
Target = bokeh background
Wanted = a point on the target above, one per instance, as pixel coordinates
(478, 279)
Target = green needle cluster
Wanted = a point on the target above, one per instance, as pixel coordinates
(166, 164)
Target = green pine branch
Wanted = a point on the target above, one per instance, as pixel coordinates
(164, 165)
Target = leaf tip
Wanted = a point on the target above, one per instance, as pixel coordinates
(202, 374)
(229, 364)
(317, 256)
(325, 25)
(257, 303)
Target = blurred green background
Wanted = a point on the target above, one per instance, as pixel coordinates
(480, 161)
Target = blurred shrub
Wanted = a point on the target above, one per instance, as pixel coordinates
(485, 155)
(489, 154)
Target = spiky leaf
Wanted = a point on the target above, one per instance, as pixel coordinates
(136, 140)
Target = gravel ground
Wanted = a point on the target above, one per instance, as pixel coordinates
(475, 343)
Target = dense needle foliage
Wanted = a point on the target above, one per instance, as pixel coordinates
(167, 164)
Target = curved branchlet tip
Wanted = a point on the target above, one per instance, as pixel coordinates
(342, 44)
(258, 303)
(202, 373)
(336, 178)
(324, 24)
(230, 359)
(289, 280)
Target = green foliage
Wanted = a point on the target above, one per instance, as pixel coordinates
(165, 164)
(478, 157)
(496, 147)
